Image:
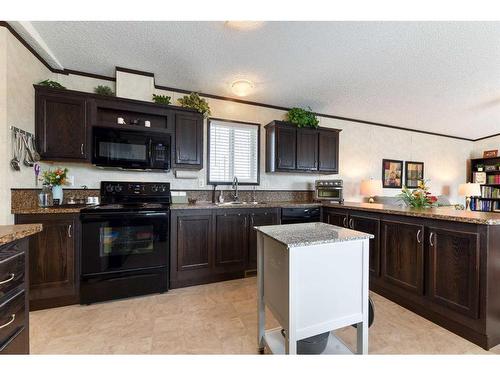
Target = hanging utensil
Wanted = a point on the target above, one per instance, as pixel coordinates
(14, 162)
(36, 168)
(28, 158)
(36, 155)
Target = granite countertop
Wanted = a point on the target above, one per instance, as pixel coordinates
(439, 213)
(10, 233)
(308, 234)
(210, 205)
(47, 210)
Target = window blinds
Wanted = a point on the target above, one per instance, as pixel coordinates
(233, 152)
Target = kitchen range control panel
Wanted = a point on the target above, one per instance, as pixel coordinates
(115, 188)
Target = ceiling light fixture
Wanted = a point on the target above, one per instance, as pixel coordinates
(242, 87)
(244, 25)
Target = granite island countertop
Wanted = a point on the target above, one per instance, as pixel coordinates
(308, 234)
(10, 233)
(439, 213)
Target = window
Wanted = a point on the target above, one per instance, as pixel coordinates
(233, 151)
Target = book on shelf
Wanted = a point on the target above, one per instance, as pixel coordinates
(493, 179)
(477, 204)
(490, 192)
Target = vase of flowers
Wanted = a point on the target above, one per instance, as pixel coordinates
(56, 179)
(419, 197)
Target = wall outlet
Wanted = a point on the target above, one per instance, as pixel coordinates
(71, 181)
(201, 182)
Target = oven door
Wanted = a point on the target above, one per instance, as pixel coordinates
(331, 193)
(121, 148)
(124, 241)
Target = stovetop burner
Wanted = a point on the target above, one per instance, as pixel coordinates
(127, 207)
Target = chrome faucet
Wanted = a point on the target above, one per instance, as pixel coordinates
(235, 187)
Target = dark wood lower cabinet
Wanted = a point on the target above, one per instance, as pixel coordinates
(267, 217)
(54, 260)
(214, 244)
(454, 270)
(403, 255)
(371, 225)
(445, 271)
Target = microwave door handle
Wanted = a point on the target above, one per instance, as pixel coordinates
(150, 152)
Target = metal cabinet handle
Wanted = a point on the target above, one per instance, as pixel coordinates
(69, 230)
(82, 149)
(430, 239)
(12, 318)
(351, 223)
(11, 277)
(418, 236)
(345, 221)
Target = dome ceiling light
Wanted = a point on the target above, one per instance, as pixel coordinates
(242, 87)
(244, 25)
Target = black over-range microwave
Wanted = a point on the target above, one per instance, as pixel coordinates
(130, 149)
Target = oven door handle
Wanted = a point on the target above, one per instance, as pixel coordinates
(104, 217)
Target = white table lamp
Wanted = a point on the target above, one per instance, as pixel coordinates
(371, 188)
(469, 190)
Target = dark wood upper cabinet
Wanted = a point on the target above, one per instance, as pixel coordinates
(301, 150)
(307, 149)
(328, 151)
(454, 270)
(231, 245)
(188, 148)
(53, 262)
(286, 148)
(267, 217)
(369, 225)
(61, 126)
(402, 248)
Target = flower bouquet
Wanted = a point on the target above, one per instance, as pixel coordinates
(419, 197)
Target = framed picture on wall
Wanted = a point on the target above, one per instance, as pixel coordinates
(414, 172)
(392, 173)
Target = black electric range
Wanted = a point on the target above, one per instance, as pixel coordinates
(125, 241)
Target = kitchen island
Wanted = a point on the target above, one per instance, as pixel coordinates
(441, 263)
(313, 277)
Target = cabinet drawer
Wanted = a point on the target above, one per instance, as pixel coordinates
(11, 270)
(11, 317)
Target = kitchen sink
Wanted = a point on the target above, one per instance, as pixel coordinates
(241, 203)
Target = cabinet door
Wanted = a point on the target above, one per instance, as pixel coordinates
(372, 226)
(257, 219)
(402, 255)
(53, 261)
(307, 149)
(188, 141)
(61, 128)
(328, 151)
(194, 237)
(334, 217)
(285, 148)
(231, 245)
(454, 270)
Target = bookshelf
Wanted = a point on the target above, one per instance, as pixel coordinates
(489, 178)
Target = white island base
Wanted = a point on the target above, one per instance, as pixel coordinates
(314, 279)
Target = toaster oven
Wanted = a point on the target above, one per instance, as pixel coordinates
(329, 190)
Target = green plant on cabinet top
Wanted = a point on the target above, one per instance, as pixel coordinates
(194, 101)
(161, 99)
(104, 90)
(52, 84)
(303, 118)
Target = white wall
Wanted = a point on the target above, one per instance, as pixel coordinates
(492, 143)
(362, 147)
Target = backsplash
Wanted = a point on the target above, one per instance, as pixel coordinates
(25, 199)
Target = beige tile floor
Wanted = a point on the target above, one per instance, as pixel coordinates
(217, 318)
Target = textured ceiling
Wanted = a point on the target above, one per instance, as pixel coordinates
(441, 77)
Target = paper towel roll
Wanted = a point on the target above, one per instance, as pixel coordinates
(190, 175)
